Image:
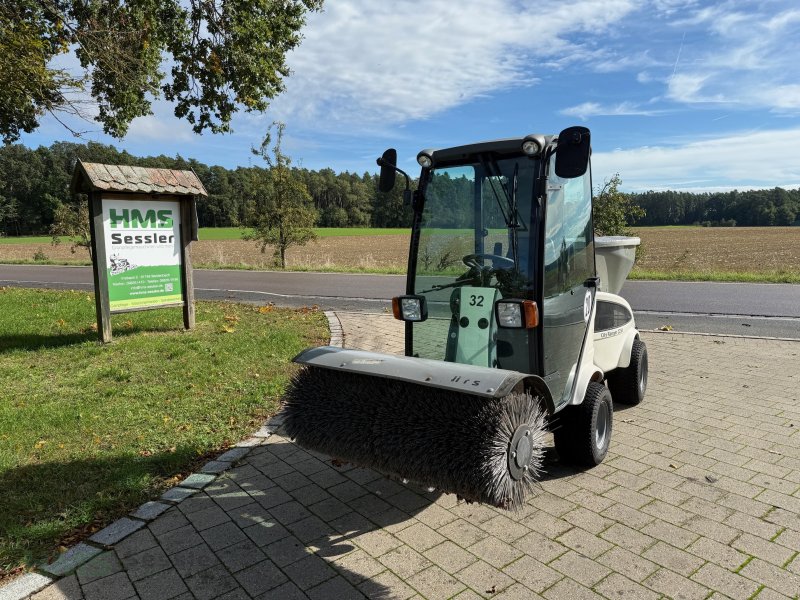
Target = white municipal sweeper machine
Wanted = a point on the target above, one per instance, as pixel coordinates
(512, 326)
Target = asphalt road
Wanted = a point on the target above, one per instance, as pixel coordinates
(771, 310)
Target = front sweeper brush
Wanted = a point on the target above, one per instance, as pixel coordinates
(507, 324)
(482, 449)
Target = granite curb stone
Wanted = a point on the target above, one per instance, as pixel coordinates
(117, 531)
(71, 560)
(197, 481)
(177, 494)
(150, 510)
(24, 586)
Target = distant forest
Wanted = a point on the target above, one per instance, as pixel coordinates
(35, 183)
(755, 208)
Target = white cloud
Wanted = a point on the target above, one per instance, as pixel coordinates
(161, 126)
(743, 53)
(638, 60)
(587, 110)
(366, 63)
(762, 159)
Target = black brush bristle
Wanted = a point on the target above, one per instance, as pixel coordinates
(455, 442)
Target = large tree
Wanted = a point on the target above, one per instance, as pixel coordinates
(282, 211)
(222, 55)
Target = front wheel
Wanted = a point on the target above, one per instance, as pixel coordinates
(583, 433)
(628, 385)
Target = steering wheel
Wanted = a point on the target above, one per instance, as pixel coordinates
(498, 262)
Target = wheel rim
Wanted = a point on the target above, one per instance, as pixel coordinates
(601, 430)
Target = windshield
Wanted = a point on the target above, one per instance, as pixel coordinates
(475, 231)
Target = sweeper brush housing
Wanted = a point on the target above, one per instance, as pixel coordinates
(486, 450)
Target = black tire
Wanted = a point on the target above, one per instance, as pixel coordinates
(583, 433)
(629, 385)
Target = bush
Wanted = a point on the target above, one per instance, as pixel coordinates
(613, 211)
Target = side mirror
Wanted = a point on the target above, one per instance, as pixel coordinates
(387, 163)
(572, 152)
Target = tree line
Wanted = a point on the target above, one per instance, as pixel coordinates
(34, 191)
(753, 208)
(34, 188)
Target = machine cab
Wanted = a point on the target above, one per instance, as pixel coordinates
(501, 267)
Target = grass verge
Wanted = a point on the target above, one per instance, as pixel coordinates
(721, 276)
(89, 432)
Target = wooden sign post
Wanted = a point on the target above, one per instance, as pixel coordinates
(142, 224)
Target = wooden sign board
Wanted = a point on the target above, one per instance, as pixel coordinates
(141, 250)
(142, 222)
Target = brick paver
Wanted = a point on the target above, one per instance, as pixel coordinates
(699, 497)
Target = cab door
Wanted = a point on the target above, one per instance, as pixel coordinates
(568, 265)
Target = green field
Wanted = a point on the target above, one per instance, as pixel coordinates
(30, 239)
(89, 432)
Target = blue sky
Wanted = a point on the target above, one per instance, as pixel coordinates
(679, 94)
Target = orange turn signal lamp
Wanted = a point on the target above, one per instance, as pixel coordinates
(517, 314)
(409, 308)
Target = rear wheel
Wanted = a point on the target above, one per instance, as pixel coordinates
(583, 432)
(628, 385)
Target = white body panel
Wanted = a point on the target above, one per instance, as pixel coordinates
(613, 345)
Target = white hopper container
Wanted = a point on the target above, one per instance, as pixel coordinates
(614, 256)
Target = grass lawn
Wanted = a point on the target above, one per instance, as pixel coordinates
(89, 432)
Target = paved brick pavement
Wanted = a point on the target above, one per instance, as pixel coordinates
(698, 498)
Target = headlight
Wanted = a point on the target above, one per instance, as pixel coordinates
(532, 144)
(517, 314)
(530, 147)
(425, 161)
(409, 308)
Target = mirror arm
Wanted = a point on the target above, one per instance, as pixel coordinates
(383, 163)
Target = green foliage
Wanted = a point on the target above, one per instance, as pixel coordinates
(282, 213)
(223, 55)
(72, 221)
(613, 211)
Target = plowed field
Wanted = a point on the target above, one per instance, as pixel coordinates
(665, 250)
(718, 249)
(375, 252)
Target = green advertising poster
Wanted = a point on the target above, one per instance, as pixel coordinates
(143, 250)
